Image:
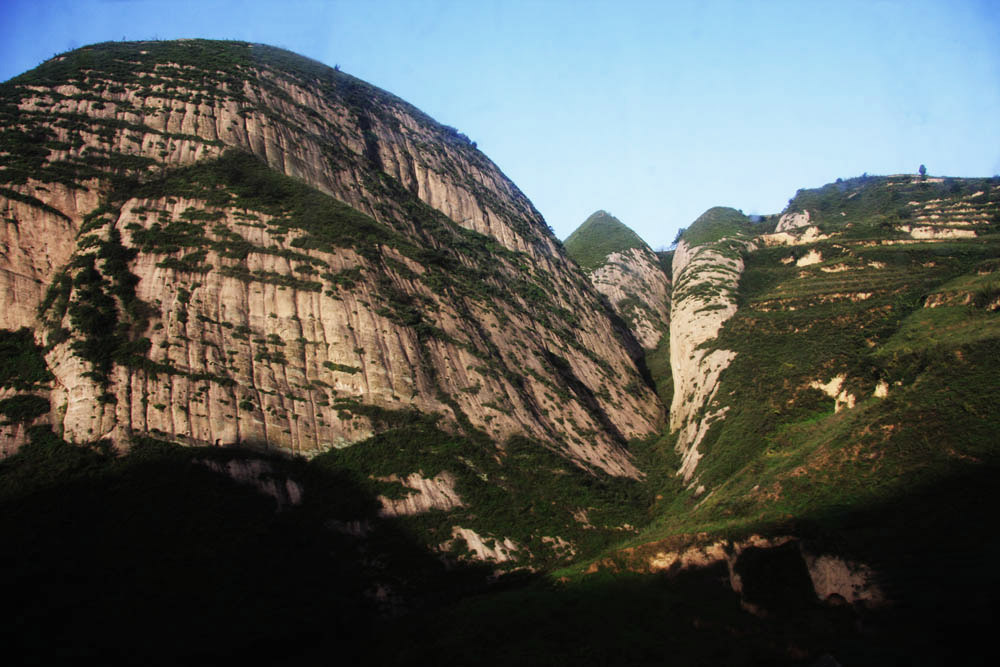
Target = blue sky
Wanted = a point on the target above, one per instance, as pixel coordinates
(654, 111)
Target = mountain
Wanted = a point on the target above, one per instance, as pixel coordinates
(626, 271)
(225, 242)
(288, 370)
(600, 236)
(834, 372)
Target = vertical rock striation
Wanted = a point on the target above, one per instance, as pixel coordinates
(627, 272)
(705, 280)
(223, 242)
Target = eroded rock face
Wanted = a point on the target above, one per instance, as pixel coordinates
(486, 549)
(794, 236)
(638, 290)
(792, 221)
(238, 321)
(704, 296)
(435, 493)
(770, 574)
(35, 243)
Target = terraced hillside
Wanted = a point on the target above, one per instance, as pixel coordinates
(847, 320)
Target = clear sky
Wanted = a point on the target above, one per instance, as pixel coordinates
(653, 111)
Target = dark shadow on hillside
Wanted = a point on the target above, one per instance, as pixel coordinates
(935, 552)
(155, 558)
(584, 395)
(628, 340)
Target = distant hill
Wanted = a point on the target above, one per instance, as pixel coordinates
(625, 270)
(714, 224)
(600, 235)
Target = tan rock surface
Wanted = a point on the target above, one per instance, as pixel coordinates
(638, 290)
(224, 389)
(704, 287)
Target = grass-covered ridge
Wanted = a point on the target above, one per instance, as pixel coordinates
(714, 224)
(208, 67)
(599, 236)
(868, 205)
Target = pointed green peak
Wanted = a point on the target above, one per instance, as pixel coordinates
(600, 235)
(714, 224)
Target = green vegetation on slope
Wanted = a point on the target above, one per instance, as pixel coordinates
(517, 489)
(899, 482)
(917, 319)
(716, 223)
(599, 236)
(781, 451)
(22, 365)
(238, 180)
(870, 205)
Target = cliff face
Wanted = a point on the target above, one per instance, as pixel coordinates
(224, 242)
(706, 278)
(638, 290)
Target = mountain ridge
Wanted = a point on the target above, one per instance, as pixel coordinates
(626, 271)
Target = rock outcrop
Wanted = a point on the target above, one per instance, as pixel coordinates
(639, 291)
(705, 281)
(770, 574)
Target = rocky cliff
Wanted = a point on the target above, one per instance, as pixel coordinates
(706, 274)
(225, 242)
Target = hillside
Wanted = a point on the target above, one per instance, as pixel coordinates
(860, 281)
(823, 490)
(715, 224)
(834, 381)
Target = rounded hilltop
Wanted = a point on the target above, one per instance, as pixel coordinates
(599, 236)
